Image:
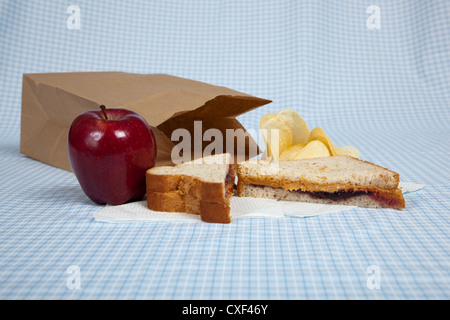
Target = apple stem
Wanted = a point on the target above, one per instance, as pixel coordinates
(104, 111)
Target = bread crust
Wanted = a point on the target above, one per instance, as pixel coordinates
(181, 193)
(215, 212)
(161, 182)
(167, 202)
(212, 191)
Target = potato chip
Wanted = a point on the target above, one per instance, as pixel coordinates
(298, 126)
(314, 149)
(278, 137)
(266, 118)
(262, 122)
(349, 151)
(287, 137)
(291, 152)
(319, 134)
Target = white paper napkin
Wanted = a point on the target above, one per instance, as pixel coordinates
(241, 207)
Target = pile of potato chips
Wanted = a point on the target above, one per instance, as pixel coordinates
(287, 137)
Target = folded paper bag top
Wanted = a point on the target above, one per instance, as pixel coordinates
(51, 101)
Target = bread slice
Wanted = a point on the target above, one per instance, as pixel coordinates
(203, 186)
(337, 180)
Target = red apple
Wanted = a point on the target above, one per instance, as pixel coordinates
(109, 151)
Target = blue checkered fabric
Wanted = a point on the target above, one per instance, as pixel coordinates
(384, 89)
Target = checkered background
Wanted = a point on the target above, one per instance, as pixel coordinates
(384, 90)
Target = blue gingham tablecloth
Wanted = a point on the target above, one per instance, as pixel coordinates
(373, 74)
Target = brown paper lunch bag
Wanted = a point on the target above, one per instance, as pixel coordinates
(51, 101)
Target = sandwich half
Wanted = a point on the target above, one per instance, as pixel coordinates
(332, 180)
(203, 186)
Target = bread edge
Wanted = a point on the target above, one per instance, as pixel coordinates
(173, 192)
